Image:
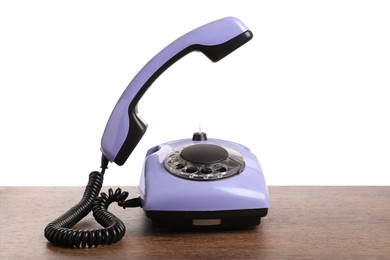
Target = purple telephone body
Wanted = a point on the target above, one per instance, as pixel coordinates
(125, 128)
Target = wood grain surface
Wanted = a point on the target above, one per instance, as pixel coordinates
(303, 223)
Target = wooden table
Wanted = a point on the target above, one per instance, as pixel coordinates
(302, 223)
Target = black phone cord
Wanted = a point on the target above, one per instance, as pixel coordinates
(60, 230)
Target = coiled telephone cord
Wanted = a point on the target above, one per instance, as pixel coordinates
(60, 230)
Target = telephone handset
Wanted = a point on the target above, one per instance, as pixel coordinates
(125, 128)
(221, 168)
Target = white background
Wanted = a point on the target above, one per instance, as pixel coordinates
(309, 94)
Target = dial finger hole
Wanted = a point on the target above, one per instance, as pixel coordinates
(221, 169)
(179, 166)
(191, 169)
(206, 170)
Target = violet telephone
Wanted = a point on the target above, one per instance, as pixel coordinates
(197, 182)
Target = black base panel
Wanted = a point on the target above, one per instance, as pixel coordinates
(228, 219)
